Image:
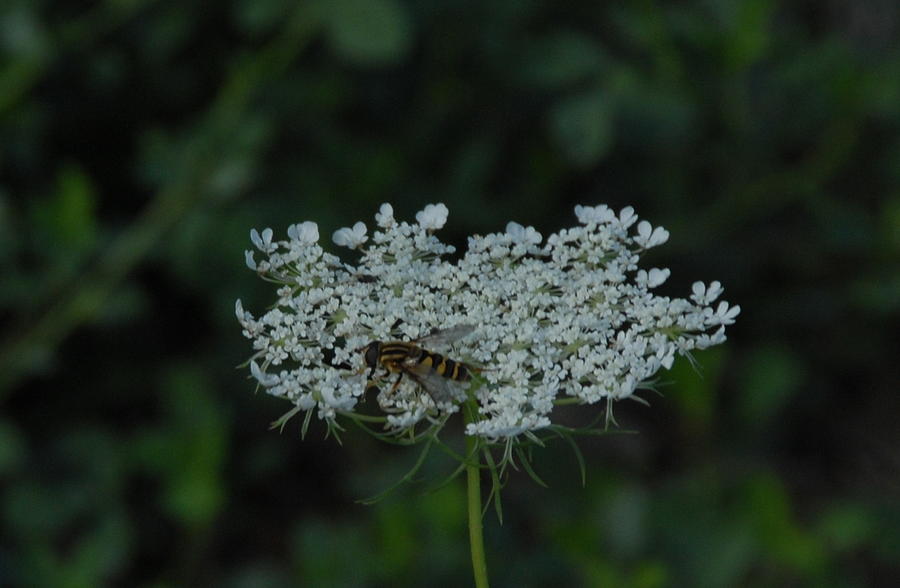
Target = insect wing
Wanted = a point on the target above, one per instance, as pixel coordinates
(446, 336)
(439, 388)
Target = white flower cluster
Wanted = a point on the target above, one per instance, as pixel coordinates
(572, 318)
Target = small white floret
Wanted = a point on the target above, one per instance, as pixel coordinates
(262, 242)
(655, 277)
(385, 216)
(350, 237)
(706, 295)
(699, 291)
(725, 315)
(262, 377)
(594, 214)
(627, 217)
(522, 235)
(648, 237)
(306, 232)
(433, 217)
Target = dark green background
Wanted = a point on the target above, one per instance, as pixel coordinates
(141, 140)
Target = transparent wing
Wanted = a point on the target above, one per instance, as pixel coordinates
(440, 389)
(446, 336)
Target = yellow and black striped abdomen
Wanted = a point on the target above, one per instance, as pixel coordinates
(445, 367)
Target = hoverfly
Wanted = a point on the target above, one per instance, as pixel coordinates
(432, 371)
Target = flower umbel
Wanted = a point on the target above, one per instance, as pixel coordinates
(571, 319)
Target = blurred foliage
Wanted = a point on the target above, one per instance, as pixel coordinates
(140, 140)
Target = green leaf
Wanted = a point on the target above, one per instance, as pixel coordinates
(889, 219)
(260, 15)
(562, 58)
(396, 530)
(625, 521)
(581, 126)
(12, 447)
(333, 553)
(779, 534)
(102, 551)
(188, 453)
(67, 219)
(695, 394)
(846, 526)
(749, 36)
(773, 374)
(369, 32)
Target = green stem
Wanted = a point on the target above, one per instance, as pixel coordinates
(366, 418)
(473, 485)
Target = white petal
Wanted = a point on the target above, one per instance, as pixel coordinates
(267, 380)
(262, 242)
(627, 217)
(341, 237)
(660, 236)
(359, 231)
(657, 276)
(668, 360)
(644, 230)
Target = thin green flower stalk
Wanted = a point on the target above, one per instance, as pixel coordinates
(505, 333)
(473, 502)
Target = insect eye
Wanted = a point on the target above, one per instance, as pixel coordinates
(372, 353)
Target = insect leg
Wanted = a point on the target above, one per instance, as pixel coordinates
(397, 382)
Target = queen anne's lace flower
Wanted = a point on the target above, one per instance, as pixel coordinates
(572, 319)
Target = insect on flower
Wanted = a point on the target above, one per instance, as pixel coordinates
(435, 373)
(570, 318)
